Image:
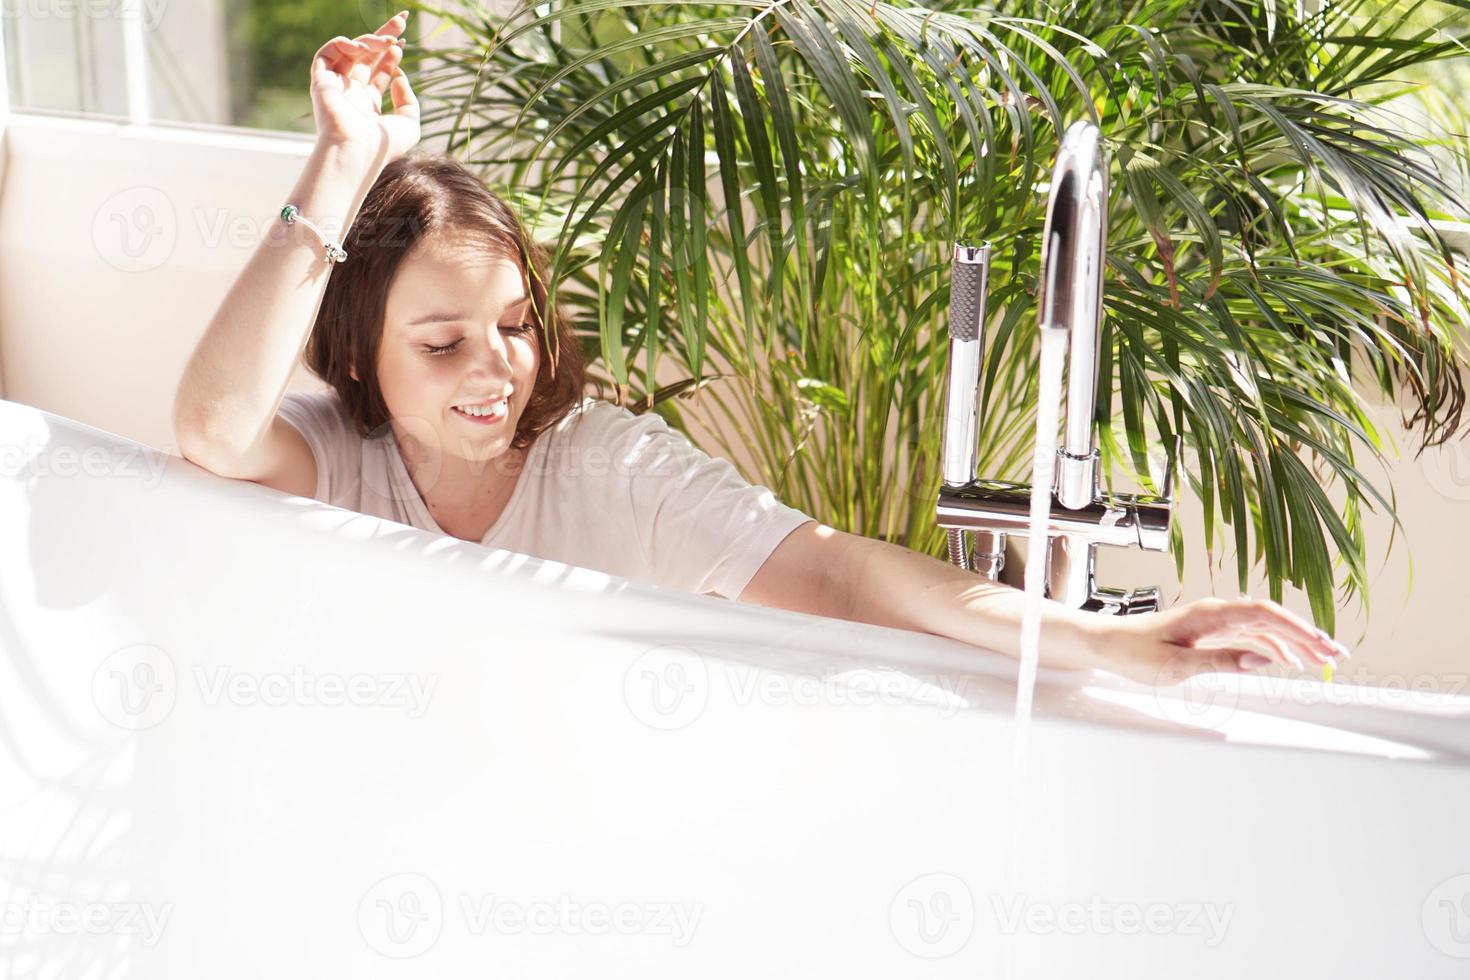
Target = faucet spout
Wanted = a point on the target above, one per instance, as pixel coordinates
(1073, 250)
(1082, 518)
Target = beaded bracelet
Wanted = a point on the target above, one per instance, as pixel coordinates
(335, 253)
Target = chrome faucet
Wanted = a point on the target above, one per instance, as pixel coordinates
(1073, 252)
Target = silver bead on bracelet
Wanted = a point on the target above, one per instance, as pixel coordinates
(335, 253)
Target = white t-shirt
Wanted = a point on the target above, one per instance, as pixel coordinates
(602, 488)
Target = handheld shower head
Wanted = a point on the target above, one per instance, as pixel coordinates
(969, 274)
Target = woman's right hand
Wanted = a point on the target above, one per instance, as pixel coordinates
(348, 80)
(1211, 635)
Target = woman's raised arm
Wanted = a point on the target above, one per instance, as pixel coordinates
(237, 374)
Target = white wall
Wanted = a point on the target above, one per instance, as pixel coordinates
(117, 244)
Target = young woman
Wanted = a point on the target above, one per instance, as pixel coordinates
(444, 414)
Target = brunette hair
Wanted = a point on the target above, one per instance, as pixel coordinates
(417, 196)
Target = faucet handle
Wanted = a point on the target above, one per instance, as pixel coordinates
(1152, 516)
(1123, 602)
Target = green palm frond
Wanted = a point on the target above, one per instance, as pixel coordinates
(766, 194)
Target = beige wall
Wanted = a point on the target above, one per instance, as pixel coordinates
(118, 243)
(1413, 638)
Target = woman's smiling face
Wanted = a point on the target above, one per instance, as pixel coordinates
(458, 331)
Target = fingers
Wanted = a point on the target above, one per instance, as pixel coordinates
(361, 57)
(1279, 650)
(1245, 637)
(322, 73)
(1226, 618)
(389, 41)
(337, 53)
(405, 103)
(377, 50)
(339, 47)
(355, 58)
(394, 24)
(1286, 629)
(1278, 617)
(380, 42)
(386, 69)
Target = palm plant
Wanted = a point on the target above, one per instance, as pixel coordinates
(765, 193)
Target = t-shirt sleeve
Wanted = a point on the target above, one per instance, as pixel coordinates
(701, 525)
(318, 417)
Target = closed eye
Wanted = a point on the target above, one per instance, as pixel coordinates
(518, 330)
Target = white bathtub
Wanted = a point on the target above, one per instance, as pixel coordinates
(244, 734)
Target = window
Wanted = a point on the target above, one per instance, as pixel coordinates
(218, 62)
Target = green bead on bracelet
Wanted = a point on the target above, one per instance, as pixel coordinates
(335, 253)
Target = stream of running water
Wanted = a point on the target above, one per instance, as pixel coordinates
(1048, 412)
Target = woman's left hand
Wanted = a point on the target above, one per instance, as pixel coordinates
(1231, 636)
